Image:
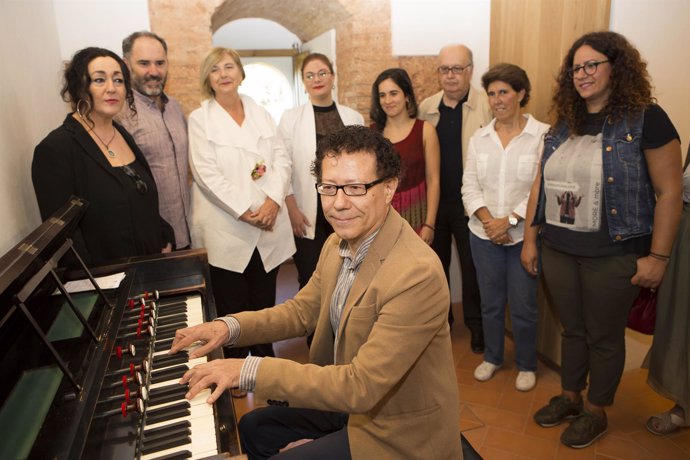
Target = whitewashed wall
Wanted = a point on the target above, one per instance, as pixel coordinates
(660, 29)
(30, 107)
(102, 23)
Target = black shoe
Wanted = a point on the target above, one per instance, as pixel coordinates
(477, 340)
(559, 409)
(584, 430)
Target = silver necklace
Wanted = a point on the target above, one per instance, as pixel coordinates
(111, 154)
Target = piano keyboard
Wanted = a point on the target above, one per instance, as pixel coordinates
(174, 427)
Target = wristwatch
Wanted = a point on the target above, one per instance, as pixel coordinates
(512, 220)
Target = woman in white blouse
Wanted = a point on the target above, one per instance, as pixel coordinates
(501, 164)
(241, 177)
(300, 129)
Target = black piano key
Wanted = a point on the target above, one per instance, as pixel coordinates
(166, 444)
(170, 373)
(173, 395)
(176, 318)
(162, 431)
(172, 299)
(174, 310)
(171, 302)
(181, 455)
(170, 412)
(173, 387)
(168, 333)
(170, 360)
(171, 326)
(163, 344)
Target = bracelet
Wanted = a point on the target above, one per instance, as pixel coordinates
(661, 257)
(429, 226)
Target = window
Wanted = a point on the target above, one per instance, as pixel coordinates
(269, 87)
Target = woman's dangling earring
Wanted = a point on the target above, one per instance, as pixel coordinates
(87, 109)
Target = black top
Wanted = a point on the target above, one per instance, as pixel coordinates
(121, 221)
(657, 131)
(327, 120)
(449, 130)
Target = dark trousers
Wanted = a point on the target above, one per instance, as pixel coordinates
(252, 289)
(264, 431)
(451, 221)
(592, 296)
(308, 251)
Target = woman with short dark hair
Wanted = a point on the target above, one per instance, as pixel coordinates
(501, 163)
(93, 157)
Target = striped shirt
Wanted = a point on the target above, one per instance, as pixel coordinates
(346, 277)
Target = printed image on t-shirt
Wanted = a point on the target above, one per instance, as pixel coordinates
(573, 184)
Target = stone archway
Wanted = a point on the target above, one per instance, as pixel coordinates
(301, 17)
(363, 45)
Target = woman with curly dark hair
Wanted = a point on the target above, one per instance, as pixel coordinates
(95, 158)
(607, 199)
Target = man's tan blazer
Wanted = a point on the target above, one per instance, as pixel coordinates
(392, 369)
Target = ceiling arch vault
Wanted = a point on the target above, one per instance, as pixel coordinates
(300, 17)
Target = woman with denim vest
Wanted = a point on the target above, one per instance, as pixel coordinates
(607, 200)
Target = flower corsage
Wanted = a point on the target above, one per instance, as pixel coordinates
(259, 170)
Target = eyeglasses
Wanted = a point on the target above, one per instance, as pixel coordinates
(590, 68)
(456, 69)
(348, 189)
(321, 73)
(138, 181)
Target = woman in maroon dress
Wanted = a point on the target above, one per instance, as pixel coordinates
(394, 112)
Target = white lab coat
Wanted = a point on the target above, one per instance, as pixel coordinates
(222, 158)
(298, 130)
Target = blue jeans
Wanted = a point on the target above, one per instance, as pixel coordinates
(502, 279)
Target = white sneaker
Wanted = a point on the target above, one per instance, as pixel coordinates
(525, 380)
(485, 371)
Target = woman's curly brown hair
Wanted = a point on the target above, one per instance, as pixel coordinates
(631, 88)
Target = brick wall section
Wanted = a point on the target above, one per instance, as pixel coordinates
(363, 42)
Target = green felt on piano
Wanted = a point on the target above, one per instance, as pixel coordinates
(25, 410)
(67, 325)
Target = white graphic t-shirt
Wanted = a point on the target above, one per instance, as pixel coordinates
(573, 177)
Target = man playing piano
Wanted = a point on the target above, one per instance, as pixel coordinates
(380, 382)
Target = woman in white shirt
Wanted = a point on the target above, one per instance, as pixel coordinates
(241, 177)
(501, 164)
(300, 129)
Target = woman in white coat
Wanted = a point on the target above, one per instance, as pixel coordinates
(241, 177)
(301, 128)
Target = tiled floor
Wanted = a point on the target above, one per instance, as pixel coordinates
(496, 418)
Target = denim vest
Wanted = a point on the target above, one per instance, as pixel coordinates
(628, 192)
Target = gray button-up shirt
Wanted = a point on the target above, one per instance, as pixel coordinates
(162, 137)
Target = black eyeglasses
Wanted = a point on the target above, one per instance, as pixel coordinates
(590, 68)
(348, 189)
(138, 181)
(455, 70)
